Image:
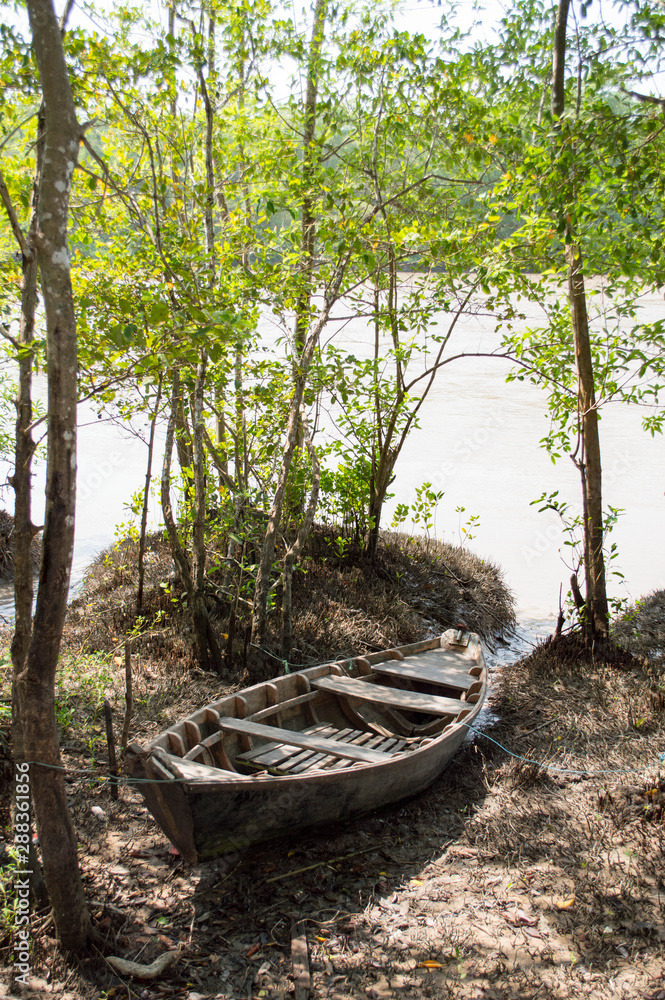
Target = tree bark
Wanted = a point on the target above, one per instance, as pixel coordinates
(596, 612)
(559, 59)
(146, 496)
(262, 587)
(21, 479)
(35, 683)
(379, 487)
(209, 652)
(24, 530)
(294, 551)
(205, 642)
(308, 220)
(595, 607)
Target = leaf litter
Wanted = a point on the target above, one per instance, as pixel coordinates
(502, 881)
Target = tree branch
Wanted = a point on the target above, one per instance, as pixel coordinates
(13, 219)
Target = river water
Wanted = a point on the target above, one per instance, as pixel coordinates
(479, 443)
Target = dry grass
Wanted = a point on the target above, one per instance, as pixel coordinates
(7, 547)
(642, 628)
(342, 604)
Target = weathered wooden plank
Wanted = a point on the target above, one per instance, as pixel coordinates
(191, 770)
(425, 668)
(412, 701)
(304, 740)
(269, 754)
(300, 961)
(283, 706)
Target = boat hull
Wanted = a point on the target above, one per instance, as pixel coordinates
(224, 813)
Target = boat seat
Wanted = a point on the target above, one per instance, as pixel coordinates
(304, 740)
(411, 701)
(426, 669)
(281, 759)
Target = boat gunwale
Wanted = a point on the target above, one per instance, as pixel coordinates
(408, 649)
(225, 778)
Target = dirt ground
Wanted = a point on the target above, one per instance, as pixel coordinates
(503, 880)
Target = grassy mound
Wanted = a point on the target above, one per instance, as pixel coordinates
(342, 604)
(7, 547)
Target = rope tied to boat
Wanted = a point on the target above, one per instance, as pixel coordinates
(127, 780)
(565, 770)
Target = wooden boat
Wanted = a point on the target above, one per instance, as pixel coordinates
(311, 748)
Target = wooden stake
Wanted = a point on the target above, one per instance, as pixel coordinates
(110, 739)
(128, 698)
(300, 960)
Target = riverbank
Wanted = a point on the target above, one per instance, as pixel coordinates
(504, 880)
(342, 604)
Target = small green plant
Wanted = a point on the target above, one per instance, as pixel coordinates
(573, 531)
(8, 874)
(82, 683)
(472, 524)
(5, 723)
(422, 511)
(341, 546)
(64, 711)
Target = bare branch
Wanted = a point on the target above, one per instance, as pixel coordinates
(645, 98)
(13, 219)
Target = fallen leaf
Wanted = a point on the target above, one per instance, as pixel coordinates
(532, 933)
(565, 904)
(463, 852)
(518, 918)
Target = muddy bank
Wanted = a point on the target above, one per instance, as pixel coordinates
(506, 879)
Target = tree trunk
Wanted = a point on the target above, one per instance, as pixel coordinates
(205, 642)
(209, 653)
(262, 588)
(146, 494)
(177, 552)
(596, 608)
(559, 60)
(596, 612)
(24, 530)
(308, 220)
(380, 484)
(302, 366)
(35, 684)
(295, 550)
